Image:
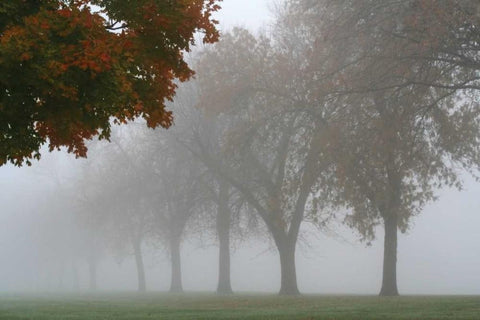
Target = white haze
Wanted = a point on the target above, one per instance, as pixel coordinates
(440, 254)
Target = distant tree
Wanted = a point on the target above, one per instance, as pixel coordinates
(90, 207)
(179, 200)
(63, 230)
(126, 190)
(232, 222)
(172, 180)
(143, 185)
(124, 193)
(222, 210)
(270, 152)
(226, 214)
(68, 69)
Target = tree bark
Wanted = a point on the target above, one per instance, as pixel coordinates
(137, 248)
(176, 283)
(389, 282)
(223, 231)
(286, 250)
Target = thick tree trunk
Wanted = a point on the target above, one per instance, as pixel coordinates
(223, 231)
(92, 271)
(176, 283)
(137, 248)
(389, 282)
(288, 285)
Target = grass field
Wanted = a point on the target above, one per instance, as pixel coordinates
(254, 306)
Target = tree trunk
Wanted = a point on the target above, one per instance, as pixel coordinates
(389, 282)
(76, 282)
(92, 271)
(137, 247)
(286, 251)
(176, 283)
(223, 231)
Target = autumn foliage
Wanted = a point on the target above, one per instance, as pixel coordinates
(69, 67)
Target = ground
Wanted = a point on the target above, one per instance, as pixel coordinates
(243, 306)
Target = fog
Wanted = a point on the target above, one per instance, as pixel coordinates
(46, 237)
(438, 255)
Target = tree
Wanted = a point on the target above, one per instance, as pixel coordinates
(403, 75)
(68, 69)
(215, 204)
(125, 192)
(271, 154)
(180, 189)
(170, 182)
(222, 211)
(223, 207)
(90, 208)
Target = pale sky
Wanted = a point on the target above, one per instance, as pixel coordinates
(252, 14)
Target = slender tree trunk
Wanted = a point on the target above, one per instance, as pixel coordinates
(60, 276)
(176, 283)
(223, 231)
(389, 282)
(76, 282)
(137, 247)
(92, 271)
(286, 250)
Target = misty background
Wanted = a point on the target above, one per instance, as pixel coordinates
(439, 254)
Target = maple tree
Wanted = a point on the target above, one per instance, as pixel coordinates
(69, 67)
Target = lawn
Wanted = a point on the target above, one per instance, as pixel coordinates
(245, 306)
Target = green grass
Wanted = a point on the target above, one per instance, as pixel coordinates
(253, 306)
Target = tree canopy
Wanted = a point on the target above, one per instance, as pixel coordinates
(403, 80)
(69, 67)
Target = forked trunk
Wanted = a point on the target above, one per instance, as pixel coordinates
(137, 247)
(176, 283)
(389, 282)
